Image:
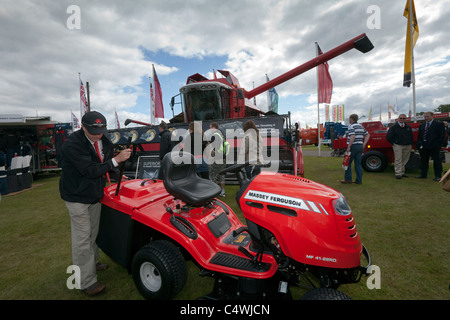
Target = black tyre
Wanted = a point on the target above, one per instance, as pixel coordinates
(413, 162)
(159, 270)
(325, 294)
(374, 161)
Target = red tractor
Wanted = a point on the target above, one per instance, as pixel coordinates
(295, 230)
(378, 152)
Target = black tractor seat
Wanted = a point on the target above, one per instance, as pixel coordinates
(182, 182)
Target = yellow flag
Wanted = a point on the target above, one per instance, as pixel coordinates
(415, 25)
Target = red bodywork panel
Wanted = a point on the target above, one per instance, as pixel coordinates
(147, 204)
(298, 212)
(301, 216)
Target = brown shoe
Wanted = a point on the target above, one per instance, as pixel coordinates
(346, 181)
(94, 289)
(101, 266)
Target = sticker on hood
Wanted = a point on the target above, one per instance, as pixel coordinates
(284, 200)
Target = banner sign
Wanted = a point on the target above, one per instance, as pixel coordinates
(269, 126)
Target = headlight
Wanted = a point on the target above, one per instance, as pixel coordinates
(341, 206)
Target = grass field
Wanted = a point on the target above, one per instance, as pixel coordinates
(403, 223)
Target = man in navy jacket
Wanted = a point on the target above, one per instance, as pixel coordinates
(87, 156)
(401, 137)
(429, 141)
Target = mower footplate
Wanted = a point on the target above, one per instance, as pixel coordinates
(237, 262)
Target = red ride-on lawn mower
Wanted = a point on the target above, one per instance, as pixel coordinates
(295, 228)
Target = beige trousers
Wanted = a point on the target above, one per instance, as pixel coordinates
(401, 154)
(85, 221)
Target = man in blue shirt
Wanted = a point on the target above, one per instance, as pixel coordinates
(357, 138)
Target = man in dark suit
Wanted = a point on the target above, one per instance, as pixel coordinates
(429, 141)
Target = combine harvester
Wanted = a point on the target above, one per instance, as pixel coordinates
(224, 101)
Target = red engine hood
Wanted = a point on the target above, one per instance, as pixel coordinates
(300, 214)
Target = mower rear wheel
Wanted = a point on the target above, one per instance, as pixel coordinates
(159, 270)
(325, 294)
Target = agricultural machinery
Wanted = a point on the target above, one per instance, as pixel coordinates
(378, 153)
(293, 229)
(224, 101)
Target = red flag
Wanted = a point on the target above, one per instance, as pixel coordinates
(75, 122)
(117, 120)
(159, 109)
(83, 100)
(325, 82)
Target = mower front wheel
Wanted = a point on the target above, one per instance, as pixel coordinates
(159, 270)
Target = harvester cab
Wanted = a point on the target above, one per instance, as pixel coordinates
(203, 99)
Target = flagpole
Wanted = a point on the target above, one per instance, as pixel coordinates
(88, 101)
(318, 109)
(268, 95)
(413, 76)
(254, 98)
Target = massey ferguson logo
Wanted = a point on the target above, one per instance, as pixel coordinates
(98, 121)
(285, 201)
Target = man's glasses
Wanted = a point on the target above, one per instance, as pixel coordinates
(402, 118)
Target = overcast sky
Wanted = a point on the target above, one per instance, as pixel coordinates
(113, 45)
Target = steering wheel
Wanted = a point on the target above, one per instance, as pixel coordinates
(234, 168)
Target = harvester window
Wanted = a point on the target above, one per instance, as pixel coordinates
(203, 105)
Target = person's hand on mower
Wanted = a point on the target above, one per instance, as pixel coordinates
(123, 155)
